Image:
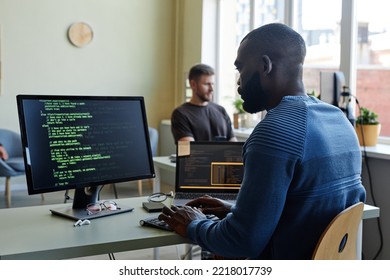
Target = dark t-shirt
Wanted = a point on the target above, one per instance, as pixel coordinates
(203, 123)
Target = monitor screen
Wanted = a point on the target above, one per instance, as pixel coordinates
(83, 143)
(209, 167)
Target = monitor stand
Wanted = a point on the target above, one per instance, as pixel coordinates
(83, 197)
(82, 214)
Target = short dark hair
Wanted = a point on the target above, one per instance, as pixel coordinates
(198, 70)
(279, 40)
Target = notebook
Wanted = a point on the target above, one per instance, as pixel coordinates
(212, 168)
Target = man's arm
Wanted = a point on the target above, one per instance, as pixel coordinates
(255, 215)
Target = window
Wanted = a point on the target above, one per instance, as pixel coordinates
(320, 26)
(249, 14)
(373, 59)
(319, 22)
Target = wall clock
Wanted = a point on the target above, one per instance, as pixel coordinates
(80, 34)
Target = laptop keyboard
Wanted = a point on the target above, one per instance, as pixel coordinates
(156, 223)
(224, 196)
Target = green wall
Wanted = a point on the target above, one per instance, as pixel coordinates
(133, 52)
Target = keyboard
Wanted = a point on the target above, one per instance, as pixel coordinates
(224, 196)
(156, 223)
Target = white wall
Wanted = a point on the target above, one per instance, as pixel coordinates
(132, 52)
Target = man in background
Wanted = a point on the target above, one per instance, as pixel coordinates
(200, 119)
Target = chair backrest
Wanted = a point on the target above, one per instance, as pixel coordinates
(11, 142)
(338, 241)
(153, 135)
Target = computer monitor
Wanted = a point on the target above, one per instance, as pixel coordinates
(331, 86)
(83, 143)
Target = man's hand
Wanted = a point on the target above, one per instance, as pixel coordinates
(179, 218)
(210, 205)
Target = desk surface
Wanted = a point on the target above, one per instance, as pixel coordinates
(370, 212)
(34, 233)
(164, 162)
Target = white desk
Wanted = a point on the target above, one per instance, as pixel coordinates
(161, 163)
(34, 233)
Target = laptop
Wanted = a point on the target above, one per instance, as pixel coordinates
(212, 168)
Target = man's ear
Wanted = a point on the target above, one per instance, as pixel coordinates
(192, 84)
(267, 64)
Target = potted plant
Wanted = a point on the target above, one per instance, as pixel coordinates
(367, 127)
(239, 115)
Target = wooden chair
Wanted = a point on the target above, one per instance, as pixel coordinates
(338, 241)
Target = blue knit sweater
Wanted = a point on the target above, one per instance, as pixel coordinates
(302, 167)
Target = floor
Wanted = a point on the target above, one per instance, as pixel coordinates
(20, 198)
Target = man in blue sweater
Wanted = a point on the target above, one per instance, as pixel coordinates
(302, 162)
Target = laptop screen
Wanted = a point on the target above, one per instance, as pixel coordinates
(209, 167)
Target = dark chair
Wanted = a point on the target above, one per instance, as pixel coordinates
(14, 165)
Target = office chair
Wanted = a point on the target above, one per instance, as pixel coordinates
(338, 241)
(153, 135)
(14, 166)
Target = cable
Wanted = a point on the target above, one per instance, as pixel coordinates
(370, 184)
(66, 196)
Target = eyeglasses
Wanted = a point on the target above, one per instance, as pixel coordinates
(109, 205)
(159, 197)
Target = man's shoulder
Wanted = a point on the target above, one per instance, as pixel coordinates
(181, 108)
(187, 107)
(187, 111)
(216, 107)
